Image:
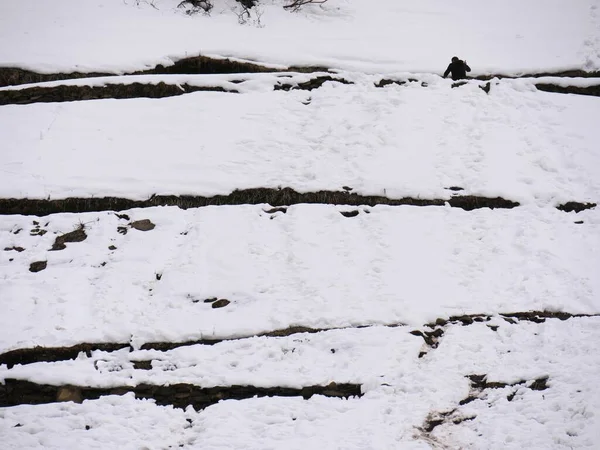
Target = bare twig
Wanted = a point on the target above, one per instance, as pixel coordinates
(297, 4)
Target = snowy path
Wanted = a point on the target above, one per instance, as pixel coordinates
(397, 141)
(309, 266)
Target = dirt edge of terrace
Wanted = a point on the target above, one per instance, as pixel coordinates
(119, 91)
(64, 93)
(19, 392)
(255, 196)
(10, 76)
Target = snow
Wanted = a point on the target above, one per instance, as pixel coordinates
(367, 283)
(523, 145)
(310, 266)
(359, 35)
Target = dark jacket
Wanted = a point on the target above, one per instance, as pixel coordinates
(459, 70)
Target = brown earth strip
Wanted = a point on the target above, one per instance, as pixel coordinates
(273, 197)
(11, 76)
(116, 91)
(195, 65)
(18, 392)
(560, 74)
(49, 354)
(309, 85)
(588, 90)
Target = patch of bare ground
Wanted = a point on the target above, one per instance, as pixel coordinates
(12, 76)
(309, 85)
(64, 93)
(18, 392)
(48, 354)
(274, 197)
(575, 73)
(587, 90)
(575, 206)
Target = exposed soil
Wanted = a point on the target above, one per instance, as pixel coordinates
(116, 91)
(142, 365)
(541, 316)
(589, 90)
(386, 82)
(274, 197)
(46, 354)
(281, 209)
(195, 65)
(16, 249)
(309, 85)
(470, 202)
(10, 76)
(575, 206)
(17, 392)
(206, 65)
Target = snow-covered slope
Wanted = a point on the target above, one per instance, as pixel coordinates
(305, 326)
(309, 266)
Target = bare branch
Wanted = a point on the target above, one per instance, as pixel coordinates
(297, 4)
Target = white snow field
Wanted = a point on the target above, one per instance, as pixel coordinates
(415, 327)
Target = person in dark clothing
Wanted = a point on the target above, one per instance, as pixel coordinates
(459, 69)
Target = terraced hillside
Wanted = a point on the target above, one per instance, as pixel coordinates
(292, 232)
